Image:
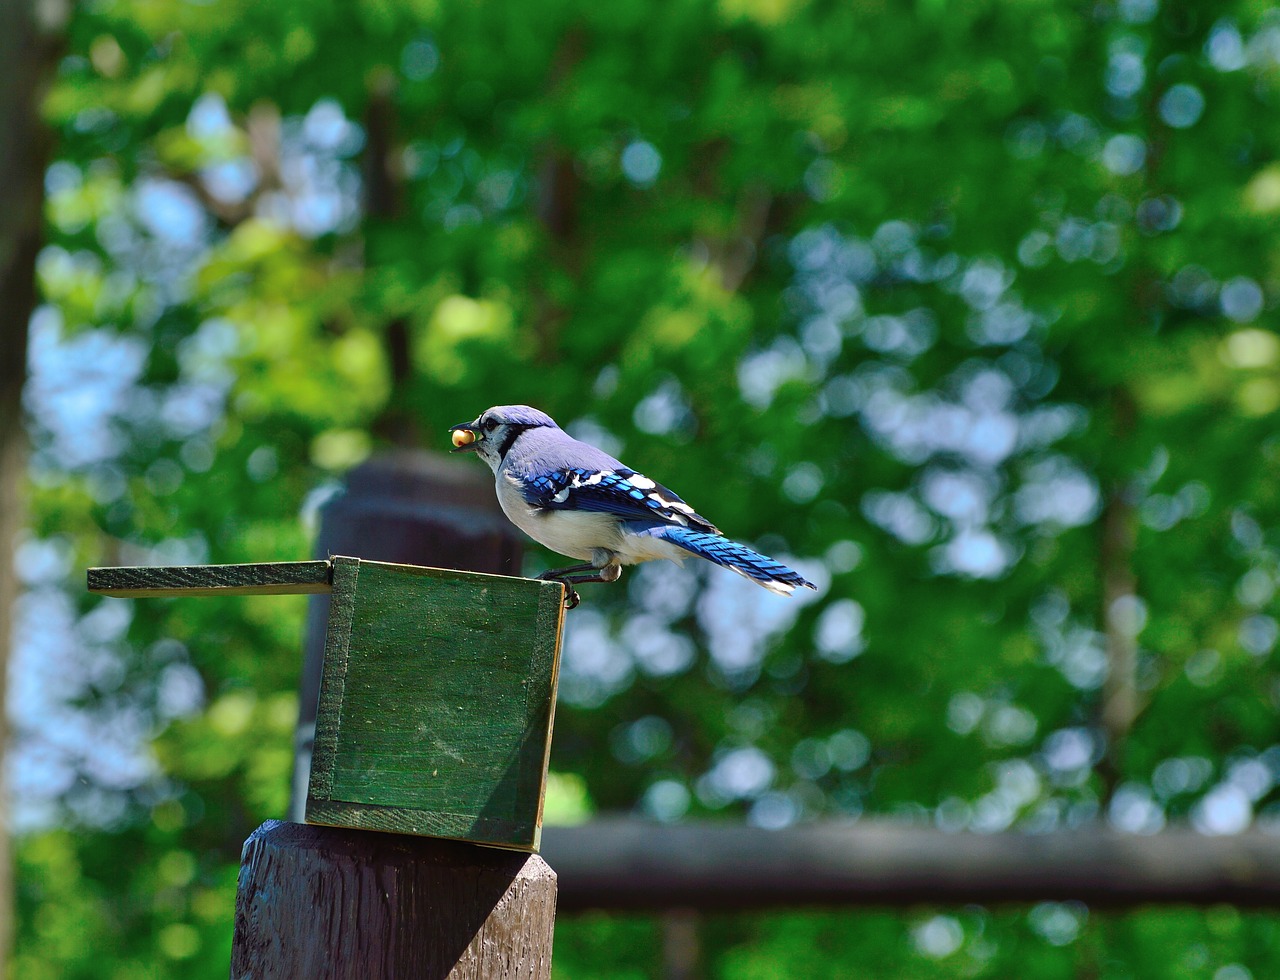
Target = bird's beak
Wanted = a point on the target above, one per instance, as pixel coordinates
(465, 437)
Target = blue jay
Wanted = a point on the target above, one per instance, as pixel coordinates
(582, 502)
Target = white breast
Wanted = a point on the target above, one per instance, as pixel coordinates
(575, 533)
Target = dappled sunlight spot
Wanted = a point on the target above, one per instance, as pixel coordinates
(964, 711)
(43, 561)
(459, 322)
(1036, 249)
(1250, 348)
(1246, 530)
(1163, 511)
(737, 774)
(337, 450)
(666, 801)
(1258, 634)
(1123, 154)
(822, 248)
(1180, 774)
(1002, 324)
(938, 937)
(773, 811)
(1224, 46)
(1182, 105)
(1008, 724)
(899, 514)
(1125, 73)
(180, 691)
(263, 464)
(964, 496)
(906, 336)
(567, 800)
(641, 740)
(171, 212)
(664, 411)
(1162, 213)
(190, 549)
(1225, 809)
(1078, 240)
(811, 758)
(230, 181)
(803, 482)
(952, 815)
(1252, 776)
(58, 661)
(1262, 193)
(1134, 811)
(849, 749)
(842, 557)
(1255, 588)
(822, 337)
(762, 373)
(1078, 653)
(593, 667)
(984, 282)
(1070, 754)
(326, 127)
(664, 589)
(590, 431)
(1127, 615)
(78, 385)
(974, 553)
(740, 622)
(1193, 288)
(656, 650)
(419, 59)
(641, 163)
(1242, 300)
(1058, 923)
(837, 634)
(208, 120)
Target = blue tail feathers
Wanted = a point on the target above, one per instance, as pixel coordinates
(773, 575)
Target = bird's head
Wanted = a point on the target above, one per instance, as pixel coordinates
(497, 428)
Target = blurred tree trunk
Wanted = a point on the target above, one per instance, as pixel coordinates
(27, 29)
(1120, 704)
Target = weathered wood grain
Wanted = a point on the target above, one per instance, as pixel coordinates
(258, 578)
(436, 703)
(330, 903)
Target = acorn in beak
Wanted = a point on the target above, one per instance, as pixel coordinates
(464, 437)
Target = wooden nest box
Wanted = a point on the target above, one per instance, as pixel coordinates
(437, 697)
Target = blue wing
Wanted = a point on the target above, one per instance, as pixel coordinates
(621, 492)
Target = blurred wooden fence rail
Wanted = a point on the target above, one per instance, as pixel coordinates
(629, 865)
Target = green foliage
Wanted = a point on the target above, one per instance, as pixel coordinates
(970, 305)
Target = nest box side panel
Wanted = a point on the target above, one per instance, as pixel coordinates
(436, 715)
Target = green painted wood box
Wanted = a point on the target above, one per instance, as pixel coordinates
(437, 695)
(436, 703)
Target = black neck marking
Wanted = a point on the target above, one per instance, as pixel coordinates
(510, 436)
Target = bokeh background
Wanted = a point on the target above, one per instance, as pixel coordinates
(966, 309)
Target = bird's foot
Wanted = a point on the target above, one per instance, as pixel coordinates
(571, 597)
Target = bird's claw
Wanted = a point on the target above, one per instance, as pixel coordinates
(571, 597)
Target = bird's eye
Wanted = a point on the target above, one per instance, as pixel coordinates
(488, 425)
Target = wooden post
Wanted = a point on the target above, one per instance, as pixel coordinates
(320, 903)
